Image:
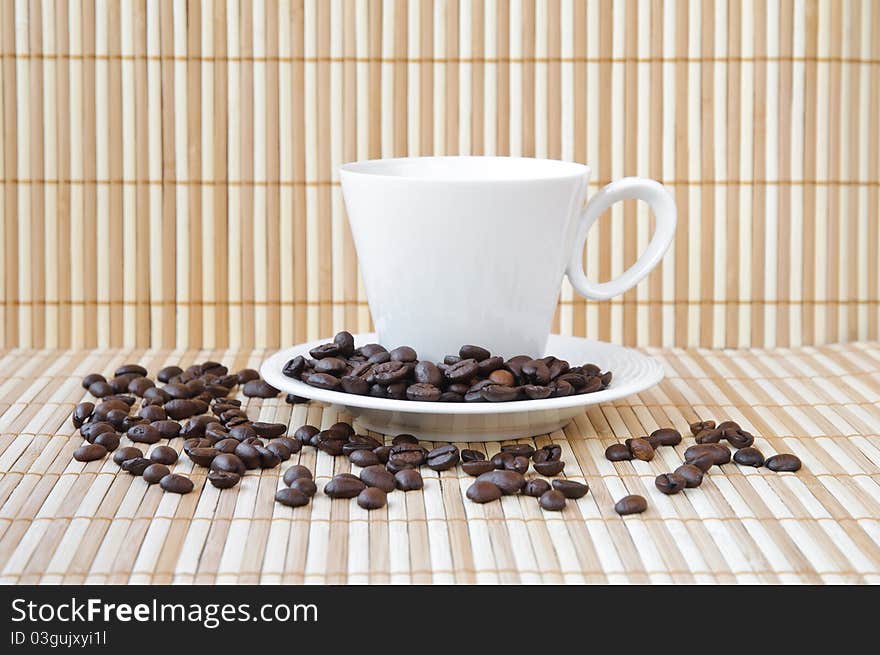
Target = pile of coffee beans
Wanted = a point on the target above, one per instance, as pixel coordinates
(708, 451)
(473, 375)
(192, 403)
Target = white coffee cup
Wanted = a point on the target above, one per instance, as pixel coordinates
(472, 250)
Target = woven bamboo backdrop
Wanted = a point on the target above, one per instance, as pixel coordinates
(169, 169)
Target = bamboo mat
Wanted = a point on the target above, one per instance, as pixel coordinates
(62, 521)
(203, 139)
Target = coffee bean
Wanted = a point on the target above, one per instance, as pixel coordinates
(110, 441)
(641, 449)
(168, 373)
(783, 463)
(549, 453)
(570, 488)
(408, 480)
(483, 491)
(129, 452)
(223, 479)
(89, 452)
(477, 467)
(278, 449)
(269, 459)
(703, 462)
(293, 399)
(382, 452)
(305, 486)
(536, 487)
(699, 426)
(155, 472)
(91, 430)
(468, 455)
(296, 472)
(670, 483)
(293, 445)
(294, 367)
(632, 504)
(549, 469)
(443, 458)
(749, 457)
(728, 425)
(291, 497)
(497, 393)
(536, 392)
(552, 500)
(344, 486)
(268, 430)
(249, 455)
(404, 438)
(404, 354)
(407, 455)
(461, 372)
(180, 408)
(709, 436)
(719, 453)
(372, 498)
(510, 482)
(153, 413)
(691, 474)
(345, 343)
(91, 378)
(524, 449)
(227, 462)
(144, 433)
(139, 386)
(502, 377)
(363, 458)
(423, 392)
(378, 476)
(738, 438)
(136, 465)
(618, 452)
(242, 432)
(259, 389)
(82, 413)
(666, 436)
(163, 455)
(176, 484)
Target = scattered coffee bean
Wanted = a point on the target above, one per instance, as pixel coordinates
(749, 457)
(372, 498)
(291, 497)
(510, 482)
(670, 483)
(536, 487)
(783, 463)
(223, 479)
(378, 476)
(443, 458)
(82, 412)
(667, 436)
(618, 452)
(136, 465)
(295, 473)
(168, 373)
(409, 480)
(719, 453)
(91, 379)
(570, 488)
(268, 430)
(129, 452)
(176, 484)
(699, 426)
(226, 462)
(89, 452)
(364, 458)
(477, 467)
(110, 441)
(519, 449)
(632, 504)
(710, 436)
(738, 438)
(155, 472)
(552, 500)
(344, 486)
(641, 449)
(305, 486)
(483, 491)
(259, 389)
(549, 469)
(692, 475)
(144, 433)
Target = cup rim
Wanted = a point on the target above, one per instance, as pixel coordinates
(373, 168)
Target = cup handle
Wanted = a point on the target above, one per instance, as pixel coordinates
(637, 188)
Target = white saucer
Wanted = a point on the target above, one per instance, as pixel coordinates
(434, 421)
